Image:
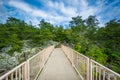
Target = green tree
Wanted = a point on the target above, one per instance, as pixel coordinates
(108, 39)
(77, 24)
(92, 24)
(97, 54)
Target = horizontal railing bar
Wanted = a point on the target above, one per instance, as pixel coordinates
(26, 64)
(81, 77)
(44, 55)
(88, 66)
(3, 76)
(72, 56)
(80, 54)
(106, 68)
(36, 54)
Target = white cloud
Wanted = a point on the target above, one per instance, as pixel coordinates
(5, 12)
(86, 10)
(20, 5)
(101, 24)
(54, 18)
(65, 10)
(28, 9)
(107, 10)
(60, 11)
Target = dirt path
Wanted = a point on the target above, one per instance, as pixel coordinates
(58, 68)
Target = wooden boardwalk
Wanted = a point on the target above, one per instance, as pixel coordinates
(58, 67)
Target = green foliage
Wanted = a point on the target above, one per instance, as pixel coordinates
(77, 21)
(78, 47)
(92, 21)
(82, 45)
(108, 38)
(101, 44)
(60, 35)
(97, 54)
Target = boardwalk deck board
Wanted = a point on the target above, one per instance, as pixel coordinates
(58, 67)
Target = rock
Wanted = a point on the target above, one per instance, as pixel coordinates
(16, 53)
(5, 55)
(6, 49)
(3, 63)
(13, 61)
(34, 50)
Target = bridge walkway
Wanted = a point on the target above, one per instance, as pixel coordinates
(58, 67)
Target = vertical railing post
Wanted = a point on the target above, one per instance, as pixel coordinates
(25, 71)
(87, 69)
(26, 75)
(90, 69)
(43, 57)
(72, 59)
(28, 72)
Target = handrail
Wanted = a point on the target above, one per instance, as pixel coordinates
(87, 68)
(29, 69)
(78, 61)
(106, 68)
(100, 72)
(11, 72)
(37, 62)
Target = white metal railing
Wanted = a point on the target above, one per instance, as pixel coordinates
(30, 69)
(87, 68)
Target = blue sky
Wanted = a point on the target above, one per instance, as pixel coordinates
(59, 12)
